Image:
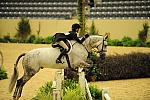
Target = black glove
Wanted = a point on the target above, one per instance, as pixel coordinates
(86, 36)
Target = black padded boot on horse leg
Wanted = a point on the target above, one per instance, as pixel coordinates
(63, 52)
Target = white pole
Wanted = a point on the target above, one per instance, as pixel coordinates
(57, 85)
(62, 81)
(56, 94)
(82, 82)
(105, 94)
(88, 90)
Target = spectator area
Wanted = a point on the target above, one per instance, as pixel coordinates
(67, 9)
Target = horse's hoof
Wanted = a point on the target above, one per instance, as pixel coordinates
(14, 98)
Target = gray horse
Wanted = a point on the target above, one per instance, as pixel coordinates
(46, 58)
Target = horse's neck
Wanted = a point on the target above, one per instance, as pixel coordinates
(78, 47)
(78, 50)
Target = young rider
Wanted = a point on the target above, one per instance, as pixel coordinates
(62, 40)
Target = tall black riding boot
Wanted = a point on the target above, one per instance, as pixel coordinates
(58, 60)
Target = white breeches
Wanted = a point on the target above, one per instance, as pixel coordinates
(61, 43)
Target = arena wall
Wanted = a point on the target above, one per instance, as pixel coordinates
(117, 28)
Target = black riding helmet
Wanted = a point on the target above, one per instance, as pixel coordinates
(75, 26)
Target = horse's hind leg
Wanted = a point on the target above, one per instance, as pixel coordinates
(20, 83)
(17, 88)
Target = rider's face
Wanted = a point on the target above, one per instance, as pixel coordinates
(77, 30)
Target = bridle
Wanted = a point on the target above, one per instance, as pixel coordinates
(99, 43)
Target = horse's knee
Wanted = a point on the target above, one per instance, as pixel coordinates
(84, 64)
(18, 90)
(19, 82)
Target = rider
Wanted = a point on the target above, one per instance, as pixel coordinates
(63, 42)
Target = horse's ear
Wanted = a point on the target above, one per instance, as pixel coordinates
(107, 35)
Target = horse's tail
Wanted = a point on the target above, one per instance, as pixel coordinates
(15, 74)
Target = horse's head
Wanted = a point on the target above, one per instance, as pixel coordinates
(96, 41)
